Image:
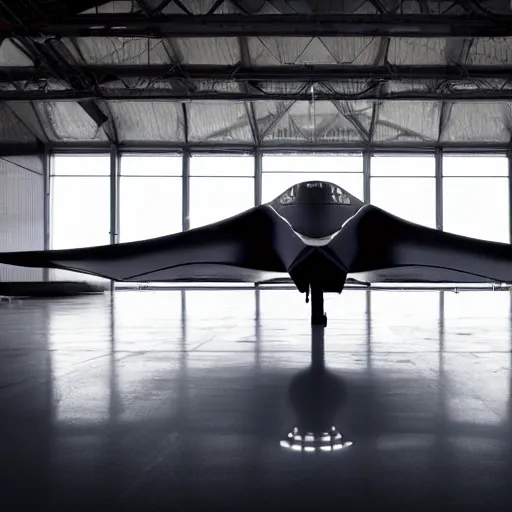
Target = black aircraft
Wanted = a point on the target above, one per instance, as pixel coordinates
(316, 232)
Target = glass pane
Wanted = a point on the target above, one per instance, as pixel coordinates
(81, 165)
(476, 207)
(214, 199)
(312, 163)
(149, 207)
(275, 184)
(80, 217)
(151, 165)
(466, 165)
(387, 165)
(225, 165)
(412, 199)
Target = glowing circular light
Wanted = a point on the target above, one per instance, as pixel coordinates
(311, 442)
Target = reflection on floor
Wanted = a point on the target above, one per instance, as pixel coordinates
(175, 400)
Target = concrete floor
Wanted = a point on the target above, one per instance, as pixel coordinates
(176, 400)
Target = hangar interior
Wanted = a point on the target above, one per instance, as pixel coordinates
(128, 120)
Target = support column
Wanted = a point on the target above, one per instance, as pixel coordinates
(509, 156)
(317, 306)
(114, 195)
(47, 162)
(366, 176)
(114, 200)
(258, 177)
(439, 188)
(185, 218)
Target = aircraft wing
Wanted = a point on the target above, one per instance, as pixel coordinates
(375, 246)
(255, 245)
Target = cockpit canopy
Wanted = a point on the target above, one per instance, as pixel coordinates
(316, 209)
(314, 192)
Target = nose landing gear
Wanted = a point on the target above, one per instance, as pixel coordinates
(318, 317)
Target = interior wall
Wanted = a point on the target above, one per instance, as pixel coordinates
(21, 212)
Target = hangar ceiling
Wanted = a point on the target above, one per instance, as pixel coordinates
(256, 73)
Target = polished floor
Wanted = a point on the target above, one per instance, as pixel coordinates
(173, 400)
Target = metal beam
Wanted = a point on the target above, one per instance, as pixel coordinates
(104, 73)
(234, 25)
(407, 147)
(185, 122)
(20, 148)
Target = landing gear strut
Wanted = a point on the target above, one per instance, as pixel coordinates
(318, 317)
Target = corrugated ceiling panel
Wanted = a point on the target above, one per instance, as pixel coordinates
(305, 123)
(267, 113)
(228, 7)
(12, 128)
(353, 50)
(68, 121)
(407, 86)
(157, 121)
(345, 87)
(407, 121)
(198, 6)
(267, 8)
(316, 52)
(117, 6)
(277, 51)
(485, 51)
(170, 8)
(478, 122)
(218, 122)
(350, 7)
(149, 85)
(12, 56)
(405, 51)
(360, 111)
(284, 87)
(207, 50)
(203, 6)
(26, 113)
(218, 86)
(116, 50)
(268, 51)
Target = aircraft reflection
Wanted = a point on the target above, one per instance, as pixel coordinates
(317, 396)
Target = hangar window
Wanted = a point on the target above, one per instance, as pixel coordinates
(220, 187)
(475, 196)
(405, 186)
(150, 196)
(280, 172)
(80, 205)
